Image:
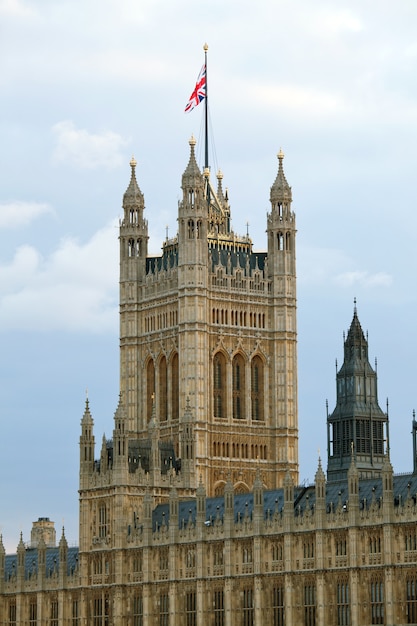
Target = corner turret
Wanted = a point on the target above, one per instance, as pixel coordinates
(120, 442)
(133, 230)
(86, 445)
(281, 226)
(193, 215)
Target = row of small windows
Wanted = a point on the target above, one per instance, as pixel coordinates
(99, 609)
(341, 547)
(32, 613)
(100, 522)
(283, 241)
(281, 208)
(168, 319)
(234, 246)
(161, 321)
(239, 450)
(134, 247)
(363, 387)
(375, 544)
(134, 217)
(238, 318)
(99, 567)
(193, 197)
(410, 541)
(194, 229)
(342, 436)
(220, 279)
(308, 549)
(188, 557)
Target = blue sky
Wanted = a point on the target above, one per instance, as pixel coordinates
(85, 86)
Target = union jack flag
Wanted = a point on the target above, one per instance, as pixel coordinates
(199, 92)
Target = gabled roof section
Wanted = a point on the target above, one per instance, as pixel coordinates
(32, 562)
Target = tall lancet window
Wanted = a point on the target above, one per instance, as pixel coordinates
(174, 387)
(163, 396)
(257, 388)
(219, 385)
(102, 521)
(150, 388)
(239, 387)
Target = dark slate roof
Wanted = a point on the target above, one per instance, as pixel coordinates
(140, 453)
(238, 259)
(168, 259)
(370, 490)
(243, 506)
(51, 562)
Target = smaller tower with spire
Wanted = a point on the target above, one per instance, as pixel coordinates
(133, 239)
(357, 427)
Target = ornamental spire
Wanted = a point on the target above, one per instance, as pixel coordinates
(192, 170)
(280, 190)
(133, 197)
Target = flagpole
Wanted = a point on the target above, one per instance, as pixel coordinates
(206, 159)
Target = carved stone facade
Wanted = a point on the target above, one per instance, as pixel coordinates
(208, 334)
(284, 557)
(192, 514)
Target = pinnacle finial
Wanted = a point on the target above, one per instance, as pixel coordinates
(133, 162)
(205, 47)
(280, 190)
(192, 141)
(354, 306)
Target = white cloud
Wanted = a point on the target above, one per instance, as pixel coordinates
(308, 100)
(316, 266)
(75, 289)
(20, 272)
(336, 22)
(15, 214)
(88, 150)
(14, 8)
(320, 267)
(364, 279)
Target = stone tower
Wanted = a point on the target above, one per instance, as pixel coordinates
(208, 343)
(357, 426)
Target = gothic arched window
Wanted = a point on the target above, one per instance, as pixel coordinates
(163, 395)
(257, 388)
(150, 388)
(219, 385)
(239, 387)
(174, 387)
